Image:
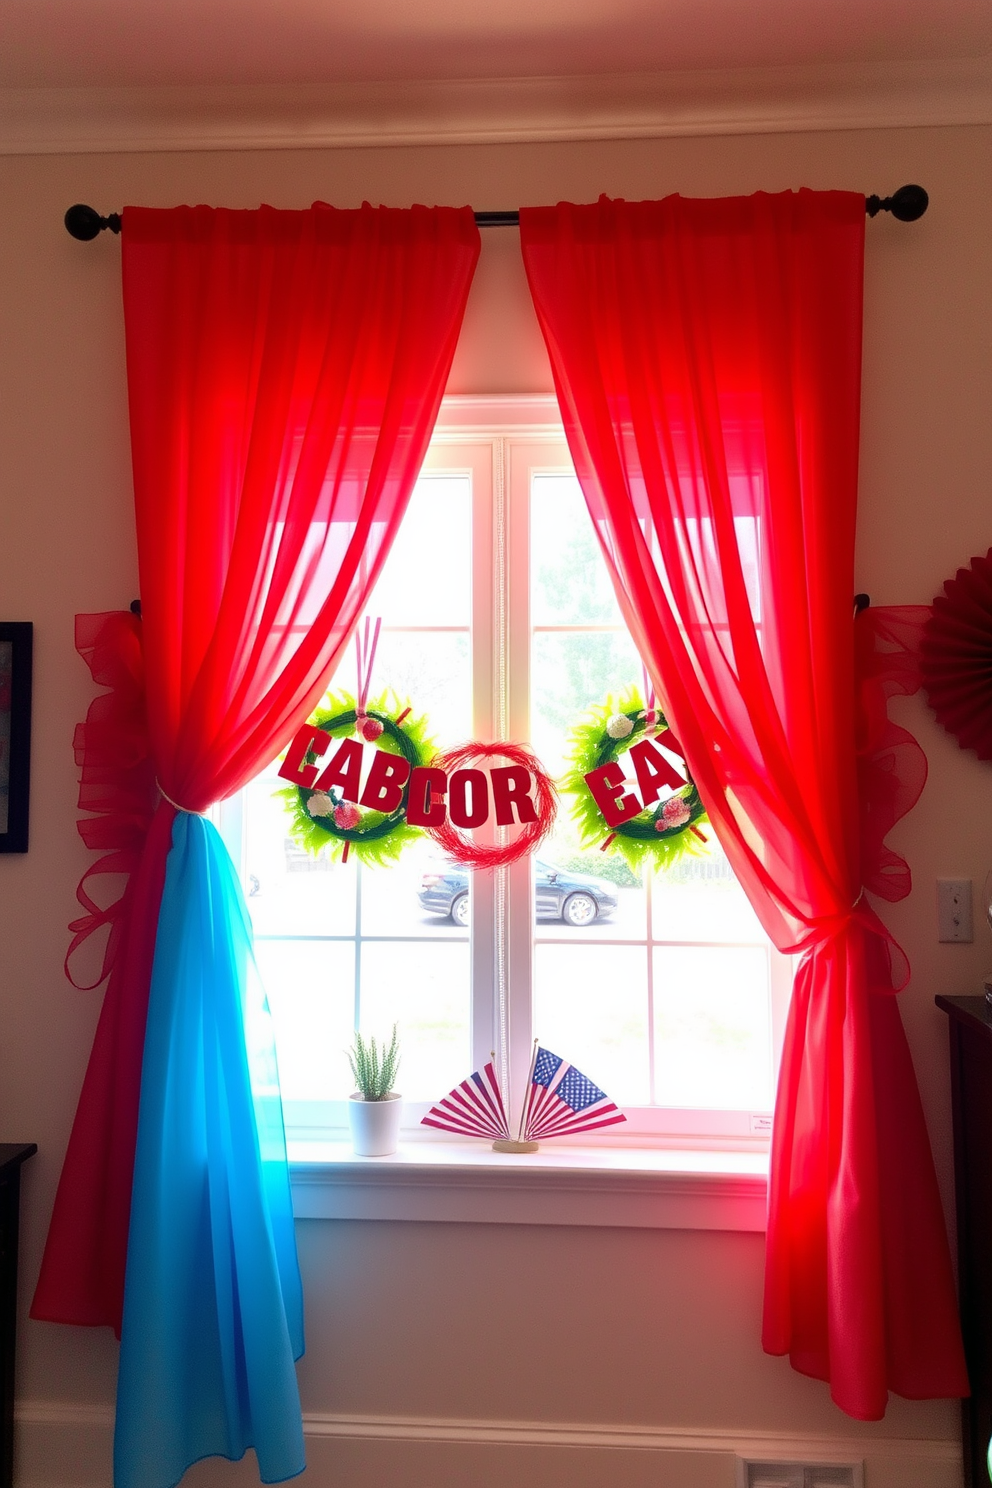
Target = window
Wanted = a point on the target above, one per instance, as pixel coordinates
(499, 620)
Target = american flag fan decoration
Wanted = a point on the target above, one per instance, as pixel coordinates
(559, 1101)
(474, 1108)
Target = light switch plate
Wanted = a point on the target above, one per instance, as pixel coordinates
(954, 916)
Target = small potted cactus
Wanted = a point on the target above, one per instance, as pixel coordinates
(374, 1109)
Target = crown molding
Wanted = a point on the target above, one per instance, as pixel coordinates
(41, 121)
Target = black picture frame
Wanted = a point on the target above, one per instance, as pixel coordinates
(16, 641)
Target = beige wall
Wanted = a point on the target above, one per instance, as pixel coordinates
(616, 1327)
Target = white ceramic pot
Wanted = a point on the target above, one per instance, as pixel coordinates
(375, 1124)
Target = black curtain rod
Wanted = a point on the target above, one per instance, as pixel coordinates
(907, 204)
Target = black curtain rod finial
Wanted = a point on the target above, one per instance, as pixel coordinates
(907, 204)
(85, 223)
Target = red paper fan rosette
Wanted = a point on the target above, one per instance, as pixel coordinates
(481, 855)
(956, 657)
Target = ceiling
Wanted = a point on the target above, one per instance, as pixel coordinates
(144, 43)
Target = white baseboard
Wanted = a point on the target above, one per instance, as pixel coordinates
(68, 1444)
(769, 1445)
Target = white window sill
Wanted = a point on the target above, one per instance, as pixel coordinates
(466, 1182)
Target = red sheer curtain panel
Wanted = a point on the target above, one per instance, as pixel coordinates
(284, 373)
(707, 359)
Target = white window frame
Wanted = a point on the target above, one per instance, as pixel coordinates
(664, 1167)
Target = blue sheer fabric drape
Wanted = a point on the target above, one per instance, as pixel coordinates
(213, 1306)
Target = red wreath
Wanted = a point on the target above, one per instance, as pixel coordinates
(956, 657)
(479, 855)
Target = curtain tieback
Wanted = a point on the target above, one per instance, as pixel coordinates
(186, 810)
(888, 967)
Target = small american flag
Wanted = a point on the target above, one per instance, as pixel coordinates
(562, 1100)
(474, 1108)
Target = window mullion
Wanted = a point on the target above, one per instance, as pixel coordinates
(520, 895)
(486, 1036)
(501, 705)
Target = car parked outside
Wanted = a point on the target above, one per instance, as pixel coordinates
(559, 894)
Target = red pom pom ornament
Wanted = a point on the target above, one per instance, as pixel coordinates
(369, 728)
(347, 816)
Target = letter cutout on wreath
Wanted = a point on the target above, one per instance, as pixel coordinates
(344, 771)
(425, 806)
(511, 787)
(653, 771)
(387, 777)
(307, 739)
(605, 786)
(463, 786)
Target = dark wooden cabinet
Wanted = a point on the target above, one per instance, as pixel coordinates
(12, 1155)
(971, 1096)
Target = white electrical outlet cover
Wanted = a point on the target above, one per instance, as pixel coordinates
(954, 913)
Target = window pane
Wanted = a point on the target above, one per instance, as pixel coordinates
(585, 896)
(421, 895)
(700, 899)
(569, 674)
(311, 990)
(425, 989)
(432, 670)
(570, 584)
(591, 1008)
(427, 576)
(712, 1022)
(289, 892)
(321, 988)
(708, 1005)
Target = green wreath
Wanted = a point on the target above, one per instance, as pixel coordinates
(662, 833)
(373, 837)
